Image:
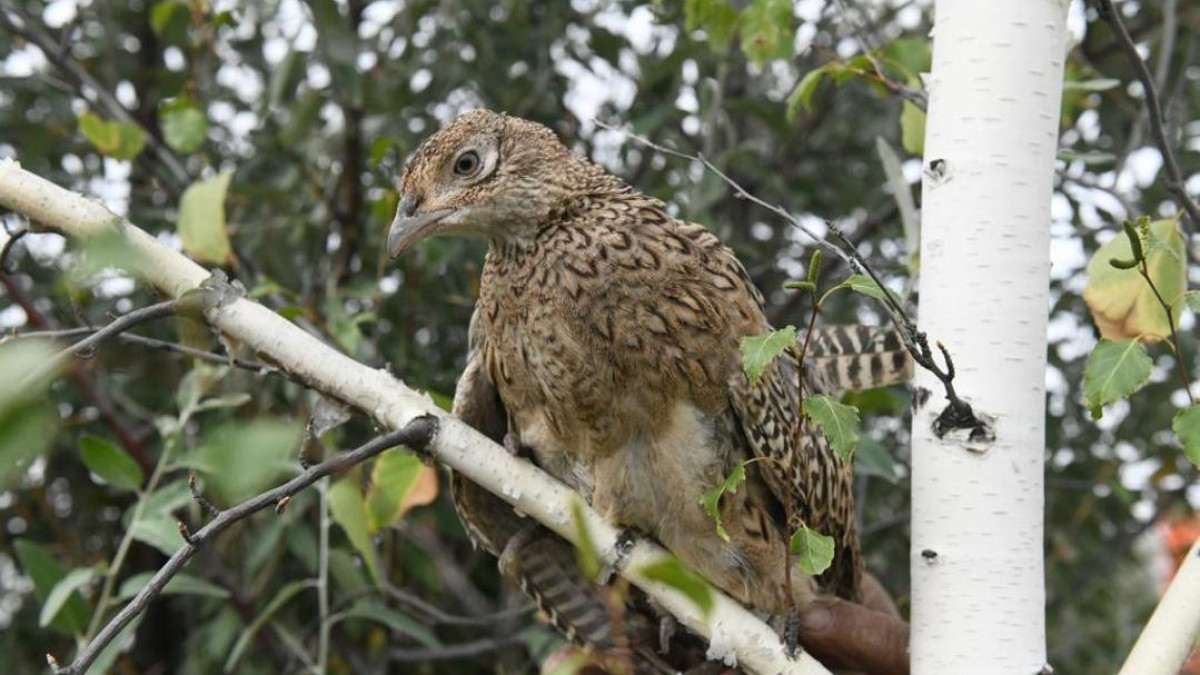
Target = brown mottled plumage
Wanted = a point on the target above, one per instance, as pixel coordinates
(606, 342)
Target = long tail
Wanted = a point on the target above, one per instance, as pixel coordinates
(855, 357)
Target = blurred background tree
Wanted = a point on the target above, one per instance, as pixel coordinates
(266, 138)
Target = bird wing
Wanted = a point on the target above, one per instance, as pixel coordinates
(857, 357)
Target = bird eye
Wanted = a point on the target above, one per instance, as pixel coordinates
(467, 163)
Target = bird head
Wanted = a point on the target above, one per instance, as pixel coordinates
(486, 175)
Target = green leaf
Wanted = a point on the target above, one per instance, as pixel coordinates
(813, 550)
(1114, 370)
(63, 591)
(838, 421)
(860, 283)
(349, 511)
(118, 140)
(586, 552)
(180, 584)
(397, 622)
(912, 128)
(1122, 303)
(392, 478)
(45, 573)
(285, 593)
(768, 30)
(184, 127)
(1186, 426)
(717, 18)
(202, 220)
(671, 572)
(872, 459)
(158, 530)
(110, 462)
(758, 351)
(221, 402)
(27, 419)
(241, 458)
(803, 93)
(167, 18)
(912, 56)
(711, 500)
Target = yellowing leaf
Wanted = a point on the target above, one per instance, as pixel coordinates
(118, 140)
(202, 220)
(759, 350)
(393, 479)
(1122, 303)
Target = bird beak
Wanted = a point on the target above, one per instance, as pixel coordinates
(409, 227)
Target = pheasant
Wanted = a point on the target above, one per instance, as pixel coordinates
(605, 344)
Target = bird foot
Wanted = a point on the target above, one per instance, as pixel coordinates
(514, 446)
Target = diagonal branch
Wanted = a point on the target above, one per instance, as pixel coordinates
(742, 636)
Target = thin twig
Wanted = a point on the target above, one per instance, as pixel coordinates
(416, 435)
(1175, 181)
(152, 343)
(9, 243)
(124, 323)
(1176, 345)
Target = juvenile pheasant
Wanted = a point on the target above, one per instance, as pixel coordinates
(606, 343)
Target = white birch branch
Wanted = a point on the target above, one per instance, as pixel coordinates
(991, 138)
(1174, 627)
(731, 629)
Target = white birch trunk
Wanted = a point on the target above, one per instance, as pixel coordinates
(735, 634)
(991, 137)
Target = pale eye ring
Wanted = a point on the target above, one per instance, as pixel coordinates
(467, 163)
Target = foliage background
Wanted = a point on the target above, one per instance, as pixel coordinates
(312, 107)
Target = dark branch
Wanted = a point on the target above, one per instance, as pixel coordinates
(416, 435)
(124, 323)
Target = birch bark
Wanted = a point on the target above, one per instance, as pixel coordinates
(991, 139)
